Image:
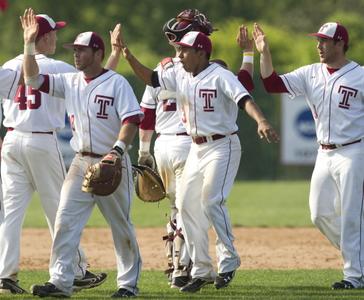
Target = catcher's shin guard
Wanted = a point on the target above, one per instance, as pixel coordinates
(179, 269)
(171, 227)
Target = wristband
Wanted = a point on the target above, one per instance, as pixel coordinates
(144, 146)
(29, 49)
(248, 57)
(120, 147)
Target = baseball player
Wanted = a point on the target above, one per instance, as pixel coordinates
(31, 160)
(104, 115)
(209, 97)
(172, 144)
(334, 92)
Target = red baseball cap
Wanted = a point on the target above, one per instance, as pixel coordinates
(87, 39)
(47, 24)
(197, 40)
(333, 30)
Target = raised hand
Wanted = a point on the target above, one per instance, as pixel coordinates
(124, 48)
(261, 42)
(30, 26)
(115, 38)
(243, 40)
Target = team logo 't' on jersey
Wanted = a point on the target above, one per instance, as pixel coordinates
(347, 93)
(103, 102)
(208, 95)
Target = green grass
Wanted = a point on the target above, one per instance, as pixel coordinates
(248, 284)
(251, 203)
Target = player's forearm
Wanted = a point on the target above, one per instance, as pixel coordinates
(31, 70)
(248, 62)
(143, 72)
(266, 65)
(127, 133)
(113, 60)
(145, 138)
(253, 111)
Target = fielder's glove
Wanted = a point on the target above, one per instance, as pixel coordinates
(104, 177)
(146, 159)
(148, 184)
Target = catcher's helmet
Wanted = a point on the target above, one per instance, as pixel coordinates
(187, 20)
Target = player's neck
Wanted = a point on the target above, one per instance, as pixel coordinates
(92, 72)
(338, 64)
(200, 68)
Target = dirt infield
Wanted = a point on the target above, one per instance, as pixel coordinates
(259, 248)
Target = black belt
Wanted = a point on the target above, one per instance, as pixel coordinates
(204, 139)
(178, 134)
(91, 154)
(41, 132)
(335, 146)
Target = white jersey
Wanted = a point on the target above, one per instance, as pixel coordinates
(208, 100)
(8, 82)
(30, 109)
(336, 100)
(168, 120)
(96, 109)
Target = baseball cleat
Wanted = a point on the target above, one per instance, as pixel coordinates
(180, 281)
(195, 285)
(8, 286)
(123, 293)
(223, 279)
(89, 281)
(48, 290)
(343, 285)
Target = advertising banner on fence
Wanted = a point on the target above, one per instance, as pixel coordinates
(298, 137)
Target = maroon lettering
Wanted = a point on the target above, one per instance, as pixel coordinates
(28, 98)
(169, 105)
(207, 96)
(103, 102)
(347, 92)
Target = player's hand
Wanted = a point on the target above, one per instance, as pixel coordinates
(124, 48)
(147, 159)
(244, 41)
(265, 130)
(261, 42)
(115, 39)
(30, 26)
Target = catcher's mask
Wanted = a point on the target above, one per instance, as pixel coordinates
(187, 20)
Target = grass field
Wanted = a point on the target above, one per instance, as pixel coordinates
(263, 204)
(257, 284)
(251, 203)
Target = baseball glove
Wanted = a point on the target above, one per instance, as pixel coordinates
(104, 177)
(148, 184)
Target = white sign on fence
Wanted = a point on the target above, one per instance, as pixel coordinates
(298, 136)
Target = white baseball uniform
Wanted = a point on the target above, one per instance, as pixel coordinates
(31, 161)
(8, 85)
(96, 110)
(171, 149)
(209, 105)
(337, 185)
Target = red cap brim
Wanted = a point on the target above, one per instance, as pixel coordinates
(60, 24)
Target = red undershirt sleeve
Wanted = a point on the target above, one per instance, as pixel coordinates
(148, 122)
(246, 80)
(274, 84)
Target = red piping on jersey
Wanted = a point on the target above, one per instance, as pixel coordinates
(274, 84)
(148, 122)
(246, 80)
